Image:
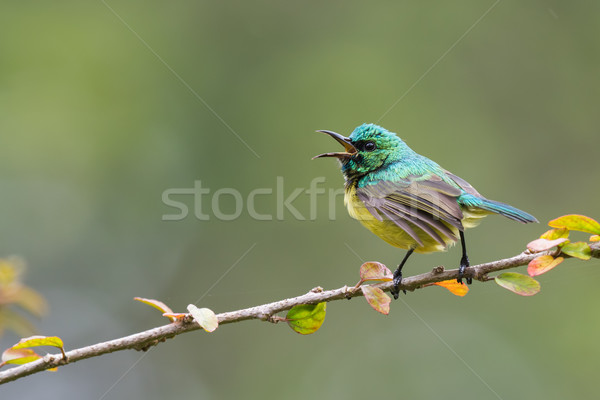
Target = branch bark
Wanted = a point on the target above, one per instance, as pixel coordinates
(145, 340)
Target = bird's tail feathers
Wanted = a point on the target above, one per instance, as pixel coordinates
(506, 210)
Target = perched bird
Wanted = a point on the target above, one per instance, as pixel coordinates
(407, 199)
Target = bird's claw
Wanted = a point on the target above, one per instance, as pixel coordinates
(395, 291)
(464, 264)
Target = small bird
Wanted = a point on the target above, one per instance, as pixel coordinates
(407, 199)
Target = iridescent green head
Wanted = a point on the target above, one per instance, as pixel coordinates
(368, 148)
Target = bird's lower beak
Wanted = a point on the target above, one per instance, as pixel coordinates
(344, 141)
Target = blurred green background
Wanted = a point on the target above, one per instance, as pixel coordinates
(103, 106)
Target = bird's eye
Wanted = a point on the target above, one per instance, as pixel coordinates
(370, 146)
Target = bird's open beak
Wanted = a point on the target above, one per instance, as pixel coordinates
(344, 141)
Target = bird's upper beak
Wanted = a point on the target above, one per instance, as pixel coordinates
(344, 141)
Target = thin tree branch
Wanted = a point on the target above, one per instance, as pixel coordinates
(266, 312)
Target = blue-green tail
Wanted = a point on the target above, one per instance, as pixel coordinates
(496, 207)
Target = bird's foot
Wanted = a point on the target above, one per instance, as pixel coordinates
(397, 280)
(464, 264)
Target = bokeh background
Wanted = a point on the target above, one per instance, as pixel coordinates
(105, 105)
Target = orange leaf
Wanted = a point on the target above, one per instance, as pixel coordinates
(459, 289)
(377, 299)
(542, 264)
(174, 316)
(538, 245)
(595, 238)
(576, 222)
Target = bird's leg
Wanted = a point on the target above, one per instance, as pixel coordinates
(464, 261)
(398, 275)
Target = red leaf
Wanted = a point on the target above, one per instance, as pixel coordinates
(375, 271)
(542, 264)
(377, 299)
(538, 245)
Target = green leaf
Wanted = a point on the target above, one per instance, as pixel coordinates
(377, 299)
(306, 318)
(518, 283)
(538, 245)
(542, 264)
(34, 341)
(19, 356)
(205, 317)
(576, 222)
(579, 250)
(553, 234)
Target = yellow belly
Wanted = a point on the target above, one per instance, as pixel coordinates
(394, 235)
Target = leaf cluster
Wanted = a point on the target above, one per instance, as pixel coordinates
(17, 299)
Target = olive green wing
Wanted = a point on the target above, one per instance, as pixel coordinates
(427, 203)
(464, 185)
